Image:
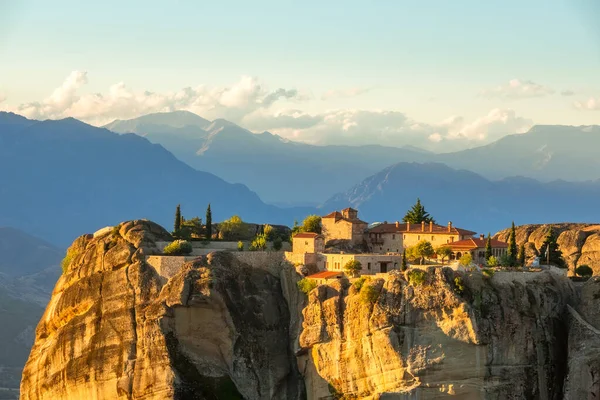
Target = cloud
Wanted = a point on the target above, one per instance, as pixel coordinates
(497, 123)
(344, 93)
(590, 104)
(516, 89)
(233, 102)
(285, 119)
(567, 93)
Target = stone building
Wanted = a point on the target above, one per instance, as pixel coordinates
(476, 246)
(384, 238)
(308, 242)
(344, 225)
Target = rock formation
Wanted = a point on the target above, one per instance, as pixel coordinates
(579, 243)
(222, 329)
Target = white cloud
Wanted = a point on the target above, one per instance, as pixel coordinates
(590, 104)
(344, 93)
(497, 123)
(120, 102)
(567, 93)
(517, 89)
(435, 137)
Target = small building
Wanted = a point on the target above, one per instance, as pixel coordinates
(370, 263)
(344, 225)
(476, 247)
(395, 237)
(308, 242)
(326, 276)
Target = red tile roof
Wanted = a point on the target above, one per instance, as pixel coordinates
(416, 228)
(473, 243)
(335, 214)
(349, 209)
(338, 215)
(326, 275)
(306, 235)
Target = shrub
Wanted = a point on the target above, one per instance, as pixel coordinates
(417, 277)
(488, 272)
(358, 284)
(352, 267)
(584, 270)
(268, 231)
(277, 244)
(240, 246)
(259, 243)
(459, 285)
(466, 260)
(368, 294)
(67, 261)
(306, 285)
(178, 248)
(492, 261)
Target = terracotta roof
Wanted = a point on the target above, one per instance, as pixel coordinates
(326, 275)
(307, 235)
(476, 243)
(338, 215)
(349, 209)
(416, 228)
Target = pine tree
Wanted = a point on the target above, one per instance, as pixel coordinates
(404, 266)
(488, 247)
(208, 222)
(177, 224)
(417, 214)
(521, 258)
(550, 251)
(512, 246)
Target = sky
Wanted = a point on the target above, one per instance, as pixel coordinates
(437, 74)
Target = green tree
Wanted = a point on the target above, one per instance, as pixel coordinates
(404, 266)
(421, 250)
(352, 267)
(584, 270)
(231, 229)
(512, 247)
(521, 257)
(444, 252)
(312, 223)
(259, 243)
(268, 232)
(492, 261)
(466, 259)
(417, 214)
(208, 222)
(177, 223)
(488, 247)
(277, 244)
(550, 250)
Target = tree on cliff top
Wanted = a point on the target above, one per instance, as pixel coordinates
(177, 223)
(417, 214)
(208, 222)
(488, 247)
(512, 247)
(550, 250)
(312, 223)
(421, 250)
(444, 252)
(521, 257)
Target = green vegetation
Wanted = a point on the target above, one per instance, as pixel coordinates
(504, 261)
(189, 229)
(69, 256)
(277, 244)
(466, 260)
(459, 285)
(240, 246)
(306, 285)
(488, 247)
(358, 284)
(551, 252)
(178, 248)
(404, 265)
(521, 256)
(492, 261)
(312, 223)
(352, 267)
(417, 277)
(268, 232)
(584, 271)
(368, 294)
(208, 222)
(259, 243)
(417, 214)
(444, 252)
(177, 223)
(231, 229)
(512, 247)
(420, 251)
(488, 272)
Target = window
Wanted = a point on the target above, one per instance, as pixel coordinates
(451, 239)
(432, 238)
(306, 243)
(368, 265)
(419, 237)
(388, 250)
(381, 248)
(404, 237)
(393, 237)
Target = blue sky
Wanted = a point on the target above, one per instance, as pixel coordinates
(430, 61)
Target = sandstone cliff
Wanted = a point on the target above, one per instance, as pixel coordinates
(221, 329)
(579, 243)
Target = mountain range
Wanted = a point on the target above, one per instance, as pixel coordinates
(291, 173)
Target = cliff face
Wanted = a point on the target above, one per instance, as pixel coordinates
(114, 329)
(221, 329)
(579, 243)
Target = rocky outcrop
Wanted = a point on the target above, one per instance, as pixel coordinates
(579, 243)
(114, 329)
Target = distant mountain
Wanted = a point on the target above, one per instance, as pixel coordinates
(546, 153)
(67, 178)
(468, 199)
(279, 170)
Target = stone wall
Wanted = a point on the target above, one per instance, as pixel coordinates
(436, 239)
(168, 266)
(270, 261)
(371, 263)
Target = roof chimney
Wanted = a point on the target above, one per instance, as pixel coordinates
(397, 224)
(422, 226)
(449, 226)
(430, 226)
(481, 236)
(407, 226)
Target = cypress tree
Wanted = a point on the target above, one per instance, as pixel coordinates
(417, 214)
(404, 266)
(521, 258)
(550, 246)
(512, 246)
(488, 247)
(208, 222)
(177, 224)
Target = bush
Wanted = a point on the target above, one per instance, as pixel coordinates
(66, 261)
(306, 285)
(259, 243)
(466, 260)
(240, 246)
(459, 285)
(277, 244)
(352, 267)
(488, 272)
(178, 248)
(492, 261)
(358, 284)
(417, 277)
(584, 270)
(368, 294)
